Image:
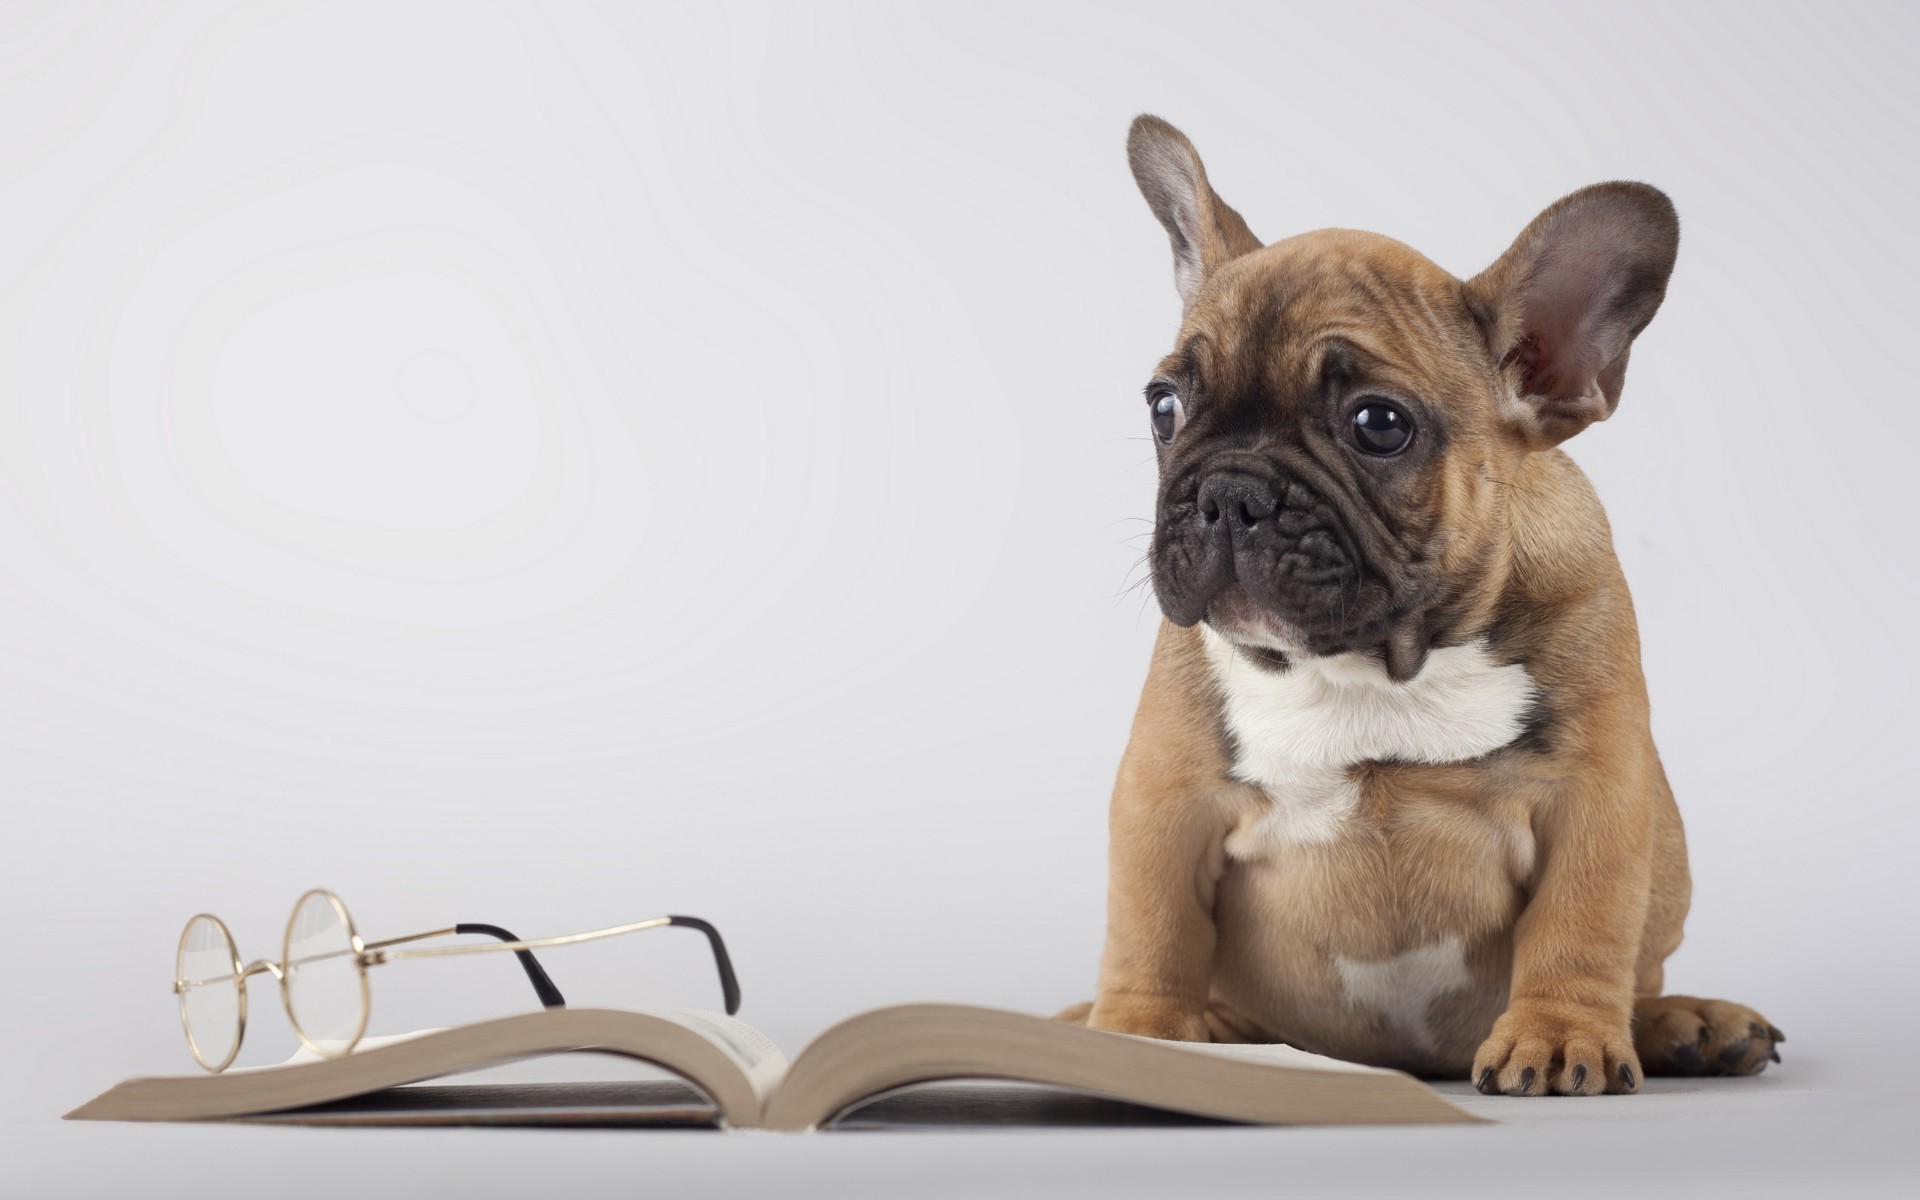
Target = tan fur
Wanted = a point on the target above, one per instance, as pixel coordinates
(1562, 874)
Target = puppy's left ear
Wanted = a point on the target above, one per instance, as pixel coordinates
(1204, 229)
(1562, 306)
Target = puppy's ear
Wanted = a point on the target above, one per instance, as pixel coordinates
(1562, 306)
(1204, 231)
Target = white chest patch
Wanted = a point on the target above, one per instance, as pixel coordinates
(1403, 987)
(1299, 732)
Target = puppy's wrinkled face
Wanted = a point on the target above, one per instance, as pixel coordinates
(1338, 419)
(1324, 426)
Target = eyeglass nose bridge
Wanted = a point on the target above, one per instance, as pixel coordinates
(257, 967)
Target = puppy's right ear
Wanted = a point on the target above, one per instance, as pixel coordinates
(1204, 231)
(1562, 306)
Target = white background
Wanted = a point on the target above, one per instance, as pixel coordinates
(557, 465)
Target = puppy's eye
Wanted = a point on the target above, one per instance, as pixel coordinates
(1167, 416)
(1381, 428)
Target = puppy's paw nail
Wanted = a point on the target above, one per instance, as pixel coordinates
(1626, 1077)
(1485, 1082)
(1774, 1054)
(1580, 1077)
(1773, 1031)
(1526, 1080)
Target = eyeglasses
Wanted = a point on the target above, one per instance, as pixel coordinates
(323, 974)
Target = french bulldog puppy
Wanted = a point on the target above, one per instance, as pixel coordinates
(1391, 793)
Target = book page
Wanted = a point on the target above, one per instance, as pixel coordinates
(1276, 1054)
(303, 1055)
(756, 1053)
(765, 1066)
(904, 1045)
(732, 1063)
(758, 1057)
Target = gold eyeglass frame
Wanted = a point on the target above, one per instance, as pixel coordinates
(369, 954)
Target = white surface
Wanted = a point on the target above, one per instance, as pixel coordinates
(1810, 1135)
(557, 466)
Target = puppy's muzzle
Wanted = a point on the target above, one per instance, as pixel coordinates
(1265, 532)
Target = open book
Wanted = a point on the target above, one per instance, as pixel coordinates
(745, 1082)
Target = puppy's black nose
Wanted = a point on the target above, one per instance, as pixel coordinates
(1240, 499)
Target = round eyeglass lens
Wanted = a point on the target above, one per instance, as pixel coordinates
(326, 985)
(207, 971)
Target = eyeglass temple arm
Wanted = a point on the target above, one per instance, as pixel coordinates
(729, 983)
(550, 996)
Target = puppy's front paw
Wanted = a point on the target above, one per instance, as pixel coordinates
(1685, 1035)
(1539, 1049)
(1148, 1016)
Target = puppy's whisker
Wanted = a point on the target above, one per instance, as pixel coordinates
(1145, 578)
(1144, 598)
